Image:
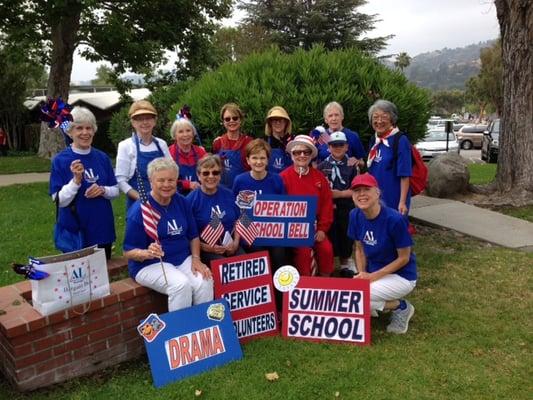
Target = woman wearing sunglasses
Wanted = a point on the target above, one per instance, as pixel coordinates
(302, 179)
(278, 128)
(213, 204)
(232, 144)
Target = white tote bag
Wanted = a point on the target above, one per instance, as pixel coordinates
(75, 278)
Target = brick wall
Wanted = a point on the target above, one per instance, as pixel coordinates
(38, 351)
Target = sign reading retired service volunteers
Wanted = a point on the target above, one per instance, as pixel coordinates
(284, 221)
(189, 341)
(245, 282)
(330, 309)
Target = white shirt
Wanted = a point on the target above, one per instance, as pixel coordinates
(127, 159)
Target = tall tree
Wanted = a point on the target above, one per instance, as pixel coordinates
(129, 34)
(402, 61)
(447, 102)
(295, 24)
(103, 75)
(233, 44)
(516, 139)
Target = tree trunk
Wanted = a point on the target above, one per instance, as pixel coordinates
(515, 159)
(64, 41)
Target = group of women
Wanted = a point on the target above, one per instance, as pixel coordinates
(199, 227)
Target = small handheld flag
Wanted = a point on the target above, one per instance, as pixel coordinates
(246, 228)
(150, 215)
(30, 272)
(212, 231)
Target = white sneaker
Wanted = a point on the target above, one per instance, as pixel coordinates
(399, 322)
(351, 265)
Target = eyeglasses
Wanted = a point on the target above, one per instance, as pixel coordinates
(228, 119)
(301, 152)
(337, 144)
(143, 117)
(207, 173)
(380, 117)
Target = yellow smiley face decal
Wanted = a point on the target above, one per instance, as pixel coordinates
(286, 278)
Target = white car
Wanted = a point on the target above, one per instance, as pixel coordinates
(434, 144)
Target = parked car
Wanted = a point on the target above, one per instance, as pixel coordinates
(434, 144)
(490, 144)
(470, 136)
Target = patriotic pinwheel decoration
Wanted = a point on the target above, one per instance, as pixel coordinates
(56, 114)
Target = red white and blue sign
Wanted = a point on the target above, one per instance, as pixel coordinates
(331, 309)
(191, 341)
(284, 221)
(245, 282)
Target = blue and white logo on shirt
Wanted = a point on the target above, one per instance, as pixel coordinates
(217, 211)
(227, 164)
(378, 156)
(278, 163)
(173, 228)
(89, 176)
(369, 238)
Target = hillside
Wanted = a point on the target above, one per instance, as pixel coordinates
(446, 68)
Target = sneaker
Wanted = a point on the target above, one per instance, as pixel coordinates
(351, 265)
(399, 322)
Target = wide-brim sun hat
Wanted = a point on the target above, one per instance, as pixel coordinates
(365, 180)
(142, 107)
(277, 112)
(303, 140)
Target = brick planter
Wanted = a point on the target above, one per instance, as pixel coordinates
(39, 351)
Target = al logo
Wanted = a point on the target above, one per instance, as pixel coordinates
(369, 238)
(90, 176)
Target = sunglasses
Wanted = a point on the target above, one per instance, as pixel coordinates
(301, 152)
(337, 144)
(207, 173)
(228, 119)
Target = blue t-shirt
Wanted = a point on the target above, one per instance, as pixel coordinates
(175, 230)
(270, 184)
(355, 147)
(381, 237)
(204, 205)
(94, 216)
(389, 175)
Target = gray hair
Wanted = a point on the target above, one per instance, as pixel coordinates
(162, 164)
(385, 106)
(180, 123)
(80, 116)
(209, 161)
(331, 105)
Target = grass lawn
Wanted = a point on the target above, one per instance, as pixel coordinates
(470, 337)
(23, 164)
(481, 173)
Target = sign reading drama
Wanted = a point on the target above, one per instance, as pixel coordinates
(189, 341)
(245, 282)
(284, 221)
(328, 309)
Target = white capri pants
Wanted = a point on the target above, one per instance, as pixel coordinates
(390, 287)
(183, 289)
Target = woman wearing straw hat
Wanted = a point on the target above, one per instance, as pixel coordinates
(134, 153)
(278, 128)
(302, 179)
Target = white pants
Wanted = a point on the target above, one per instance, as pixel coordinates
(183, 289)
(390, 287)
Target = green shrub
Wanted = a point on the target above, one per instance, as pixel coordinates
(162, 99)
(304, 82)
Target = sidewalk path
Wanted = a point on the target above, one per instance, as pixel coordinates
(474, 221)
(12, 179)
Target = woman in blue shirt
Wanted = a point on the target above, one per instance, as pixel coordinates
(167, 261)
(83, 183)
(382, 252)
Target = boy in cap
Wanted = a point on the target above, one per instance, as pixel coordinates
(339, 174)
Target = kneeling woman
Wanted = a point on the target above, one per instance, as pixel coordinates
(185, 279)
(383, 252)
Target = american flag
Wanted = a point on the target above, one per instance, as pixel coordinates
(320, 135)
(212, 231)
(150, 215)
(246, 228)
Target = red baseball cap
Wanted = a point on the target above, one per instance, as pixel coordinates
(364, 180)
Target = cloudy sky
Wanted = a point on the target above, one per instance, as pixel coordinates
(418, 26)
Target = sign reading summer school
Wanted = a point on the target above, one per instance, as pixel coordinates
(284, 221)
(245, 282)
(189, 341)
(330, 309)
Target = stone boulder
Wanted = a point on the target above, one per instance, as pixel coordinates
(448, 174)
